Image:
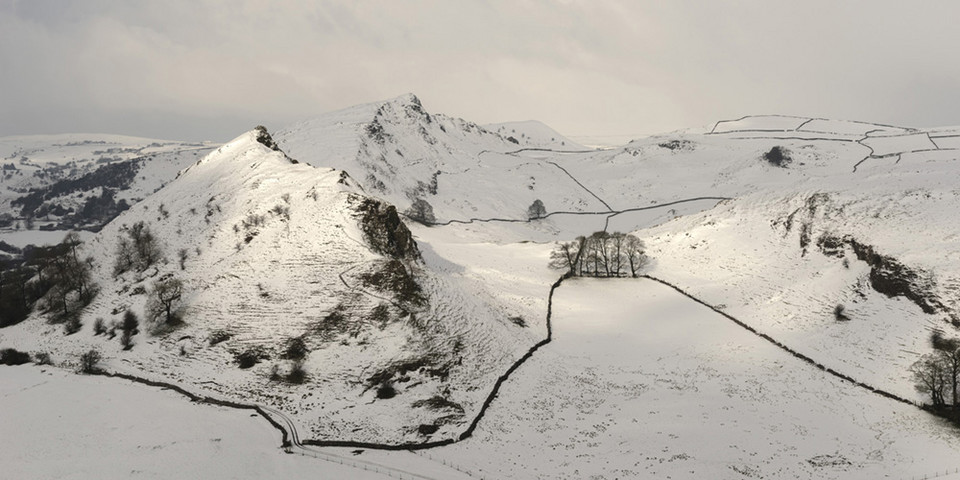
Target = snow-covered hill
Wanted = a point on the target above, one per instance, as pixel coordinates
(269, 250)
(398, 151)
(775, 220)
(817, 210)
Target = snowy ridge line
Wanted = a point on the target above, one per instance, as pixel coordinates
(201, 399)
(483, 408)
(611, 213)
(787, 349)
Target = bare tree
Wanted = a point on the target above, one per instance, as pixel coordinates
(536, 210)
(633, 249)
(165, 301)
(130, 327)
(139, 250)
(930, 375)
(602, 253)
(69, 278)
(89, 362)
(599, 250)
(616, 252)
(948, 351)
(567, 256)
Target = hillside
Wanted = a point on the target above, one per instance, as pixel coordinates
(399, 152)
(831, 242)
(269, 250)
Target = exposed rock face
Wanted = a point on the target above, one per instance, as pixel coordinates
(384, 231)
(266, 140)
(887, 274)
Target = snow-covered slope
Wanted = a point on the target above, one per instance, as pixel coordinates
(886, 188)
(878, 191)
(274, 250)
(774, 220)
(398, 151)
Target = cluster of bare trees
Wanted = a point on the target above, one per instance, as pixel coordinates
(600, 255)
(71, 287)
(937, 374)
(59, 275)
(137, 249)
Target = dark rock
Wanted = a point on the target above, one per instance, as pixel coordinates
(266, 140)
(385, 232)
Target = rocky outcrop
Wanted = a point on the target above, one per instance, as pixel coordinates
(264, 138)
(384, 231)
(888, 275)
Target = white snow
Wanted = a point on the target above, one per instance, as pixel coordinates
(891, 145)
(768, 123)
(639, 380)
(57, 425)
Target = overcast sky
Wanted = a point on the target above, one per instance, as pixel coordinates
(206, 69)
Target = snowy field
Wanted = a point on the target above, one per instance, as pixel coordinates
(57, 425)
(640, 382)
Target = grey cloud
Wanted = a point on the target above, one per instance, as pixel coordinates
(621, 67)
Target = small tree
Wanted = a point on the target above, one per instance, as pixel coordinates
(536, 210)
(99, 327)
(421, 211)
(165, 301)
(89, 362)
(930, 377)
(137, 248)
(73, 324)
(598, 252)
(633, 249)
(130, 326)
(568, 256)
(947, 351)
(297, 373)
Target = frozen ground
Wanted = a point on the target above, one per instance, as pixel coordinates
(57, 425)
(640, 382)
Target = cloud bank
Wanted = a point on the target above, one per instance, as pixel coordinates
(206, 69)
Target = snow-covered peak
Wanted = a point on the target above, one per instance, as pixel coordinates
(253, 148)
